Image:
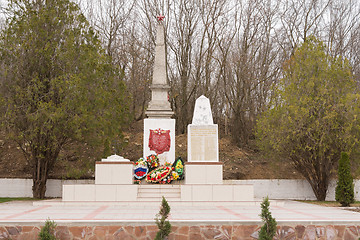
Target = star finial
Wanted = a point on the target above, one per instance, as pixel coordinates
(160, 18)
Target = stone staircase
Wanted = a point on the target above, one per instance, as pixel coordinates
(156, 192)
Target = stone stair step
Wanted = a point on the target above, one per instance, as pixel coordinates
(156, 199)
(146, 190)
(156, 192)
(159, 194)
(157, 186)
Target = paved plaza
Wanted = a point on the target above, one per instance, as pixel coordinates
(285, 212)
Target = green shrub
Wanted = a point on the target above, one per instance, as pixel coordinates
(268, 230)
(48, 231)
(163, 224)
(107, 148)
(76, 173)
(344, 191)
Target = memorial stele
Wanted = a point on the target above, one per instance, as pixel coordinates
(159, 128)
(203, 166)
(203, 134)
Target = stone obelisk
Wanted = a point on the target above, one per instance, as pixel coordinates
(159, 128)
(159, 106)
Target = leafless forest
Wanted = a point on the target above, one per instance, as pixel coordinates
(231, 51)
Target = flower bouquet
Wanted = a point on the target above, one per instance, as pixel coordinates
(152, 161)
(158, 174)
(137, 181)
(178, 167)
(171, 177)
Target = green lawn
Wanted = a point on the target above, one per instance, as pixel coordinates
(15, 199)
(329, 203)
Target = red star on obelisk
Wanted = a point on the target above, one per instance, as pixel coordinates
(160, 18)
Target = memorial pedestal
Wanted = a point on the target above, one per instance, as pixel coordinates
(204, 173)
(213, 193)
(113, 173)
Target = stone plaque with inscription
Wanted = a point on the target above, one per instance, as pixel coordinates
(203, 143)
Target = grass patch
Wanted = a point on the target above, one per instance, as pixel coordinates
(329, 203)
(15, 199)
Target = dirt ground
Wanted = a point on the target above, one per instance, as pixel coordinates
(78, 160)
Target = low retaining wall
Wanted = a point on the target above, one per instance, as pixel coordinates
(201, 232)
(290, 189)
(15, 187)
(274, 188)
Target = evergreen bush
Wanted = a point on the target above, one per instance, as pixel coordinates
(268, 230)
(163, 224)
(344, 191)
(48, 231)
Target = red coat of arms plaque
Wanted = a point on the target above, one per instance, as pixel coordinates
(159, 140)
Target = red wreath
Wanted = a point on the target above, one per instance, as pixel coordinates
(159, 140)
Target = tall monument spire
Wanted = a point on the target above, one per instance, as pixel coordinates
(159, 106)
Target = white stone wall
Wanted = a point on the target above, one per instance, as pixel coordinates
(289, 189)
(15, 187)
(274, 188)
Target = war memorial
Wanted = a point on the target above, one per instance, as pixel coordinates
(202, 206)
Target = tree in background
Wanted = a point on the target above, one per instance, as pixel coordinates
(60, 85)
(344, 191)
(313, 116)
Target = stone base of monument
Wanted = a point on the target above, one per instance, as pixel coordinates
(130, 194)
(216, 193)
(113, 172)
(113, 185)
(204, 173)
(99, 192)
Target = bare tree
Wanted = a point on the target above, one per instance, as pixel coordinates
(181, 44)
(230, 51)
(253, 67)
(342, 32)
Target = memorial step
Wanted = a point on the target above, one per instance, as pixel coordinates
(156, 192)
(152, 190)
(159, 186)
(159, 195)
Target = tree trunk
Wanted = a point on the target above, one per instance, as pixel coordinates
(319, 190)
(240, 131)
(40, 173)
(318, 182)
(39, 188)
(315, 170)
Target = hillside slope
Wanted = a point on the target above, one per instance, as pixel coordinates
(78, 160)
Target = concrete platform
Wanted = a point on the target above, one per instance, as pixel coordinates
(293, 217)
(118, 193)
